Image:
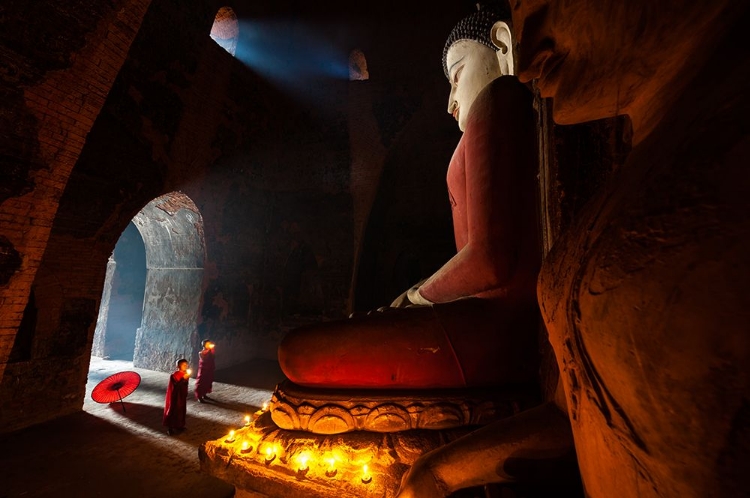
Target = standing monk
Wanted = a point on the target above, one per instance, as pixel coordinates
(206, 367)
(175, 404)
(645, 296)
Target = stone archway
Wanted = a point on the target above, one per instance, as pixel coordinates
(172, 231)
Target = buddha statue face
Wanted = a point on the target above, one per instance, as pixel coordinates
(581, 72)
(472, 61)
(600, 58)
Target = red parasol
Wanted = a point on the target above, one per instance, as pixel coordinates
(115, 387)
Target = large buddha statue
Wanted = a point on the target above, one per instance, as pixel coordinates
(645, 296)
(475, 321)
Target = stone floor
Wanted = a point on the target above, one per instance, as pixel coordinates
(118, 451)
(123, 451)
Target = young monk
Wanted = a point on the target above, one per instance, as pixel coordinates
(206, 367)
(175, 404)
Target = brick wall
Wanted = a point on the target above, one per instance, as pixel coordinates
(62, 59)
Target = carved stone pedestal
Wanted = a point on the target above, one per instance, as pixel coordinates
(335, 411)
(292, 464)
(316, 443)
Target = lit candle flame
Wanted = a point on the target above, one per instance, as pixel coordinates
(188, 371)
(247, 419)
(211, 346)
(331, 471)
(366, 477)
(265, 406)
(269, 451)
(303, 462)
(244, 445)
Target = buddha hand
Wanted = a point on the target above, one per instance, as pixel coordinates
(403, 301)
(415, 297)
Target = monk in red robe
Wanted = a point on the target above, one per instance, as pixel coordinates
(175, 404)
(206, 367)
(475, 321)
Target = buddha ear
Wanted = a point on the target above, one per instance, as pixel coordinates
(502, 38)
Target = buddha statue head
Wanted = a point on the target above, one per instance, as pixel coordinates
(600, 58)
(478, 50)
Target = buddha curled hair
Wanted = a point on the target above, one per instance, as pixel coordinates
(477, 27)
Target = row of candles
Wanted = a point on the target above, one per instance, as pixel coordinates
(303, 459)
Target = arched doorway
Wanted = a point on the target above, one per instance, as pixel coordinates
(121, 309)
(171, 231)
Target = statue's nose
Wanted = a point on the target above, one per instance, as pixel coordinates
(452, 102)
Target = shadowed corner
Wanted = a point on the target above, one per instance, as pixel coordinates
(258, 374)
(89, 456)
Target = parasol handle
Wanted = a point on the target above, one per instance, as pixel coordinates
(123, 404)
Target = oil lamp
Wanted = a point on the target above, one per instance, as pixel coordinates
(331, 470)
(270, 454)
(230, 437)
(302, 461)
(366, 476)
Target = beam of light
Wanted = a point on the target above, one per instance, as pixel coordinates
(290, 52)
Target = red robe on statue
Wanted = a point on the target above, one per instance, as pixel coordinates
(205, 379)
(482, 329)
(175, 405)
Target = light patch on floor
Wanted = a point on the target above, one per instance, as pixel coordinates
(104, 451)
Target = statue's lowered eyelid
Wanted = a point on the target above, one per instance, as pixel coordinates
(457, 74)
